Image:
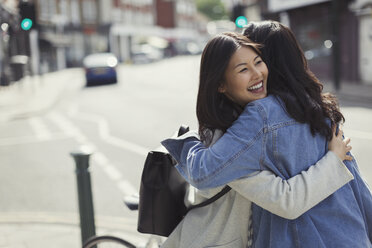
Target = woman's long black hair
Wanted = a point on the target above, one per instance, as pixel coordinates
(291, 79)
(214, 110)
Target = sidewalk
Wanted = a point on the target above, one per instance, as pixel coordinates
(56, 230)
(357, 93)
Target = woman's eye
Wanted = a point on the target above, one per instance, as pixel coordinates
(259, 62)
(243, 70)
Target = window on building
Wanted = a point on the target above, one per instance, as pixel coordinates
(74, 12)
(89, 11)
(47, 9)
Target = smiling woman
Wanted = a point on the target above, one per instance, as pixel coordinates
(229, 79)
(245, 77)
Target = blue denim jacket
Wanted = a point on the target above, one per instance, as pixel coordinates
(265, 138)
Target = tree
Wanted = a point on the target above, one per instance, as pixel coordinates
(213, 9)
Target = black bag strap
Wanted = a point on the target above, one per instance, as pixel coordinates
(182, 130)
(212, 199)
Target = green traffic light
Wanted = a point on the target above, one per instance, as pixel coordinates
(241, 21)
(26, 24)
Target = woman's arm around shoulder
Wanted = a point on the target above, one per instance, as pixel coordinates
(293, 197)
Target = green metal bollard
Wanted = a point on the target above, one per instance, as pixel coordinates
(87, 225)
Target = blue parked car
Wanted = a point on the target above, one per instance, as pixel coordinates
(100, 68)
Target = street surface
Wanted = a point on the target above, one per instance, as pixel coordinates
(121, 123)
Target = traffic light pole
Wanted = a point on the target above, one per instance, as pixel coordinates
(34, 52)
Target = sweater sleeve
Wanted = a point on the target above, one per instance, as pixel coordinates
(293, 197)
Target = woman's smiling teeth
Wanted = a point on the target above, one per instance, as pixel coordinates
(256, 86)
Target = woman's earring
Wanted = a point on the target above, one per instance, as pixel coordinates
(221, 89)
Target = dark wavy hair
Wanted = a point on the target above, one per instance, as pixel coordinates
(213, 109)
(291, 79)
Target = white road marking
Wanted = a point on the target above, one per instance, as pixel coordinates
(104, 132)
(127, 145)
(114, 174)
(42, 132)
(64, 124)
(98, 157)
(110, 170)
(69, 130)
(127, 188)
(40, 129)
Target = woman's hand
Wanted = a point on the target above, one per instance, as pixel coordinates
(339, 145)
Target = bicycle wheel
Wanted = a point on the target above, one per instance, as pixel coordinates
(107, 241)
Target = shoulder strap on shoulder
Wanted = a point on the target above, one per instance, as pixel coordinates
(212, 199)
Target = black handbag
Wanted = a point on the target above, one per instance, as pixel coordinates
(162, 193)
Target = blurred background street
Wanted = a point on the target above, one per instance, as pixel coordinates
(136, 89)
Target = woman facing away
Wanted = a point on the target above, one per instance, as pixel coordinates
(224, 223)
(284, 133)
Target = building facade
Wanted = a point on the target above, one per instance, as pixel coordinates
(138, 22)
(69, 30)
(65, 31)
